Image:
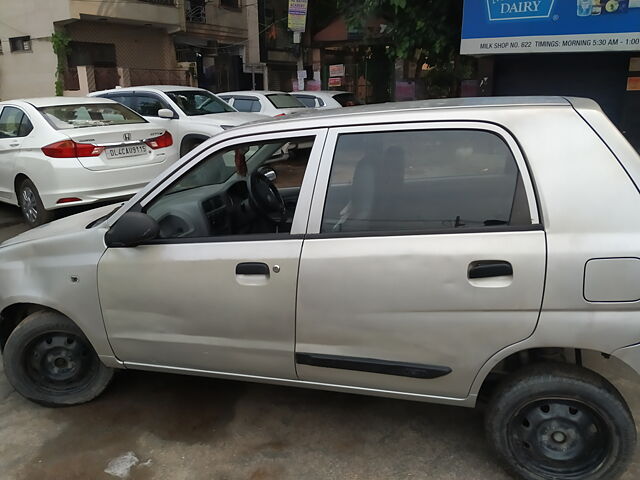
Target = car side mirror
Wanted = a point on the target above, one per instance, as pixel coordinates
(165, 113)
(132, 229)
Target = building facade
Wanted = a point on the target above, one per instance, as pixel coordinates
(210, 43)
(589, 48)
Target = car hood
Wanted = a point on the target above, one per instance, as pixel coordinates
(64, 226)
(229, 118)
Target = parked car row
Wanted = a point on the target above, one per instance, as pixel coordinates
(62, 152)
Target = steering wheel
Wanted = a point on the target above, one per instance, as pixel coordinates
(265, 198)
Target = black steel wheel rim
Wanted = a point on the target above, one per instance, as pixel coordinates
(59, 362)
(560, 438)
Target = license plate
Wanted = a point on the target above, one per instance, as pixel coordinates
(126, 151)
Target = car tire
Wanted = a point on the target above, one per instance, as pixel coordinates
(48, 360)
(560, 421)
(31, 205)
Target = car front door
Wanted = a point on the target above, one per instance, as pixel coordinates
(213, 293)
(14, 126)
(424, 256)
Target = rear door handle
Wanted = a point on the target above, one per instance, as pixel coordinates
(14, 144)
(252, 268)
(489, 268)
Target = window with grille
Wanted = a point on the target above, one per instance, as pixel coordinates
(20, 44)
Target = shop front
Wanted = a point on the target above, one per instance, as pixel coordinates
(586, 48)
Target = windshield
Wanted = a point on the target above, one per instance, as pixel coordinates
(220, 167)
(284, 100)
(62, 117)
(199, 102)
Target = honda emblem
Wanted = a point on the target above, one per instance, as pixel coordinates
(127, 137)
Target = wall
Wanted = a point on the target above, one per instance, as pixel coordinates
(136, 46)
(229, 18)
(29, 74)
(172, 18)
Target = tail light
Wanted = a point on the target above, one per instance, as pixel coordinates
(163, 141)
(71, 149)
(280, 115)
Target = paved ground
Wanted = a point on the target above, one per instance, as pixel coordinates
(157, 426)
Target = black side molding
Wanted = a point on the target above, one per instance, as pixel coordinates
(385, 367)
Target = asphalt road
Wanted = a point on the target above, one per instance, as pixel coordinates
(157, 426)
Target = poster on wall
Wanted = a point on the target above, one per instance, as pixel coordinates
(492, 27)
(297, 19)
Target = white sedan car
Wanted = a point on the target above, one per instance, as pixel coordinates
(326, 99)
(272, 103)
(60, 152)
(192, 115)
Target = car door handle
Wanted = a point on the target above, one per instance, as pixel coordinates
(489, 268)
(252, 268)
(14, 144)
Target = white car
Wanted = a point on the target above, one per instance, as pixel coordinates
(192, 115)
(270, 103)
(60, 152)
(326, 99)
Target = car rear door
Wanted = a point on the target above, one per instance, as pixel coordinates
(424, 256)
(14, 126)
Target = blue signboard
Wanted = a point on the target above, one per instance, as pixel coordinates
(527, 26)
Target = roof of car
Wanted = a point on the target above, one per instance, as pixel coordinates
(254, 92)
(447, 103)
(159, 88)
(55, 101)
(320, 92)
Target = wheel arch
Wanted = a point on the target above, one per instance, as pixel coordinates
(12, 315)
(19, 178)
(510, 361)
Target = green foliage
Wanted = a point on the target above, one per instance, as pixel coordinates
(60, 43)
(423, 31)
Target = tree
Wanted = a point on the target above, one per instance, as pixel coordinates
(425, 31)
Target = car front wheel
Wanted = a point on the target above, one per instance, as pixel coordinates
(31, 205)
(48, 360)
(557, 421)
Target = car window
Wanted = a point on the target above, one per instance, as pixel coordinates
(246, 104)
(346, 99)
(199, 102)
(308, 100)
(213, 198)
(11, 123)
(147, 105)
(423, 180)
(63, 117)
(284, 100)
(26, 127)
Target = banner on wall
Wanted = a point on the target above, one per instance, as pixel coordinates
(492, 27)
(297, 15)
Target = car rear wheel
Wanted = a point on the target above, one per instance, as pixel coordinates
(31, 205)
(561, 422)
(48, 360)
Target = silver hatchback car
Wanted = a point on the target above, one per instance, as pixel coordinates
(435, 251)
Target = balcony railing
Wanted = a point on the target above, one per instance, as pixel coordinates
(167, 3)
(197, 15)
